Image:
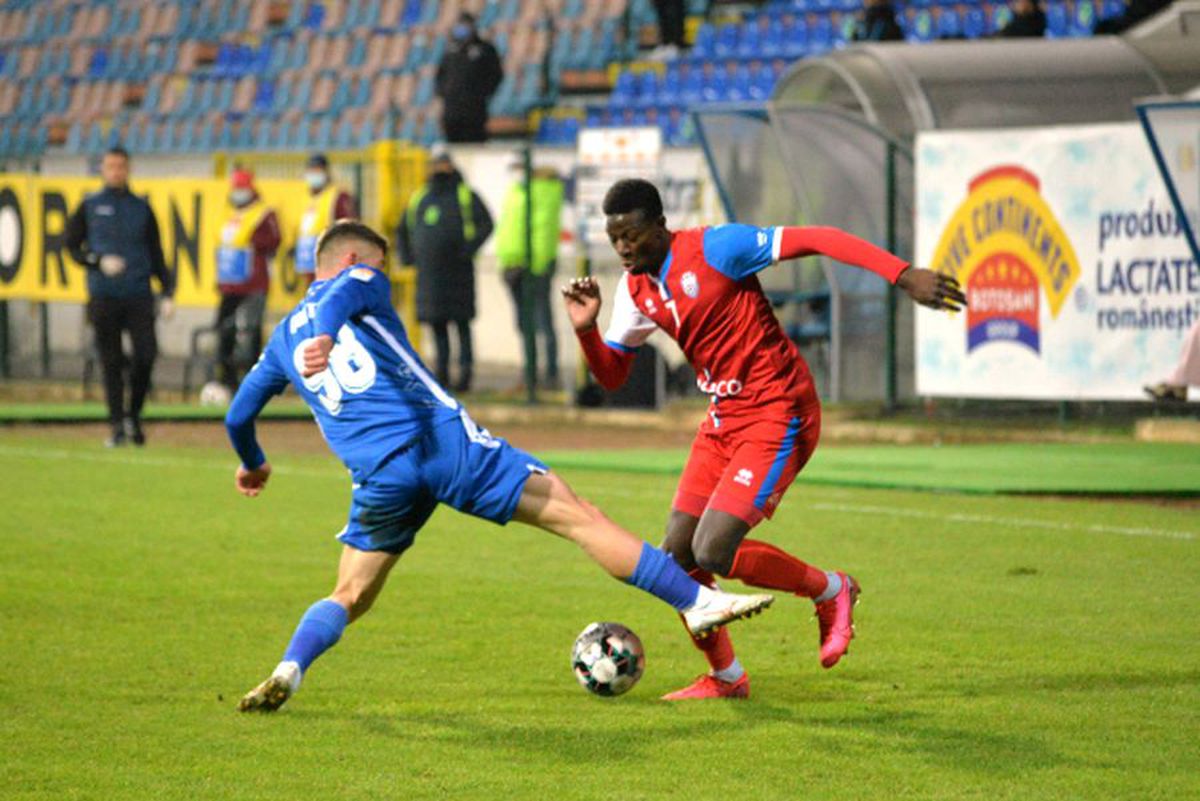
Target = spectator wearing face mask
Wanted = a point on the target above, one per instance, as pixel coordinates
(469, 74)
(327, 203)
(249, 240)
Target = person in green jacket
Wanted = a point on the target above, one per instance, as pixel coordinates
(530, 279)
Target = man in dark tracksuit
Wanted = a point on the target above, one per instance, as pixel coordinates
(114, 235)
(441, 231)
(467, 78)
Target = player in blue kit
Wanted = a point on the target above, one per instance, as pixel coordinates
(409, 446)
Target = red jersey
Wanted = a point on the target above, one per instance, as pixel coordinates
(707, 298)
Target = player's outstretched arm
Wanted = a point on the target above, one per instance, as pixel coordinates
(610, 366)
(262, 383)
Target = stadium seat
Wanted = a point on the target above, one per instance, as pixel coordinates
(920, 26)
(762, 82)
(739, 84)
(949, 24)
(705, 45)
(716, 83)
(795, 38)
(1058, 23)
(974, 23)
(624, 91)
(647, 88)
(821, 36)
(725, 44)
(1083, 18)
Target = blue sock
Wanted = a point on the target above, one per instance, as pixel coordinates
(657, 574)
(319, 629)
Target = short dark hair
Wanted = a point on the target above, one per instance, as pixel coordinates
(117, 150)
(351, 229)
(633, 194)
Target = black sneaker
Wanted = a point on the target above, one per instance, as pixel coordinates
(115, 439)
(133, 428)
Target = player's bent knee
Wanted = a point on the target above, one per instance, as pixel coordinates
(718, 561)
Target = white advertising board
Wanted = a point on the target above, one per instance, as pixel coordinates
(1079, 279)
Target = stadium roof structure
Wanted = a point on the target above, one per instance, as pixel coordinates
(991, 84)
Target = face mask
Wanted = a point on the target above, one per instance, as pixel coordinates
(315, 179)
(461, 32)
(240, 197)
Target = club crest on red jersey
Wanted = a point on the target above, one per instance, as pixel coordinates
(691, 284)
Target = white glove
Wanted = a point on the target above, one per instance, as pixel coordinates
(112, 265)
(166, 308)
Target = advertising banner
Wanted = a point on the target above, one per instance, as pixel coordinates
(35, 264)
(1079, 279)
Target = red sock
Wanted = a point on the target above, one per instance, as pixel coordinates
(762, 565)
(717, 647)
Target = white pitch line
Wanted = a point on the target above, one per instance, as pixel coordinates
(1014, 522)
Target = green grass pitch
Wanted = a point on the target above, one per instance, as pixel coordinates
(1009, 648)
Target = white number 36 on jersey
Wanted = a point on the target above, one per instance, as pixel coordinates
(351, 370)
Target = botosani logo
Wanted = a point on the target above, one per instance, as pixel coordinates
(1003, 244)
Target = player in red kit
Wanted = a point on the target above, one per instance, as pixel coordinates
(700, 287)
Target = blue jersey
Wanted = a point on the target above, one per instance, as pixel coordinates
(375, 397)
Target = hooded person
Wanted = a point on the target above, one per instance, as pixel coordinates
(467, 77)
(442, 229)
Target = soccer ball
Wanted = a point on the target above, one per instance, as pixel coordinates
(214, 393)
(607, 659)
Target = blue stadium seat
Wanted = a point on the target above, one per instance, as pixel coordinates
(726, 42)
(771, 43)
(279, 49)
(324, 133)
(692, 89)
(738, 89)
(974, 23)
(920, 25)
(716, 84)
(821, 35)
(1000, 17)
(408, 129)
(98, 64)
(705, 45)
(1058, 23)
(411, 15)
(185, 136)
(749, 44)
(1083, 18)
(431, 131)
(647, 88)
(74, 143)
(670, 86)
(795, 38)
(424, 94)
(624, 91)
(569, 131)
(315, 17)
(1112, 8)
(762, 82)
(206, 140)
(949, 24)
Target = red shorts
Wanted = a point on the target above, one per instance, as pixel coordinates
(744, 470)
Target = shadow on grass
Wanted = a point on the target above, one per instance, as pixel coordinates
(633, 736)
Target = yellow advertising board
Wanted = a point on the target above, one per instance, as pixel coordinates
(35, 264)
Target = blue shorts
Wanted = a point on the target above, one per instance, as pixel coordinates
(455, 463)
